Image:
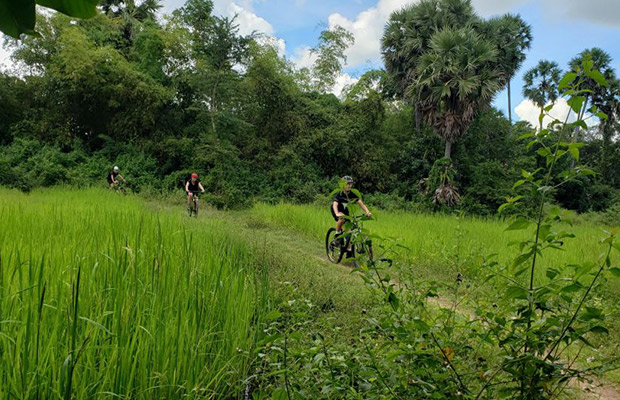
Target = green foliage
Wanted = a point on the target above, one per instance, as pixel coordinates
(17, 17)
(99, 299)
(330, 56)
(190, 93)
(449, 62)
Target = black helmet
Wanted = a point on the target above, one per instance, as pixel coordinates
(347, 179)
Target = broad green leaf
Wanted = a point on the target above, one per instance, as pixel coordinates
(574, 152)
(420, 325)
(393, 300)
(615, 271)
(567, 80)
(73, 8)
(576, 103)
(17, 17)
(592, 313)
(601, 115)
(552, 273)
(599, 329)
(520, 223)
(521, 259)
(598, 77)
(504, 206)
(516, 292)
(275, 314)
(517, 184)
(575, 287)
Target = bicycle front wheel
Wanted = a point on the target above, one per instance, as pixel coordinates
(334, 250)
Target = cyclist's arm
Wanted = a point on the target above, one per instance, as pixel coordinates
(363, 207)
(112, 178)
(187, 187)
(335, 208)
(121, 176)
(201, 188)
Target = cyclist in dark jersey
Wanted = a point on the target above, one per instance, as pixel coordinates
(340, 202)
(192, 187)
(113, 177)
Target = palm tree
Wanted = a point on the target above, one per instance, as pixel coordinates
(541, 84)
(131, 14)
(597, 94)
(457, 76)
(407, 36)
(610, 105)
(513, 36)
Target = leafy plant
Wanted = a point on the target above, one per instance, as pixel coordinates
(17, 17)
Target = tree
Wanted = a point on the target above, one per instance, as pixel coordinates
(603, 97)
(513, 36)
(330, 56)
(541, 84)
(407, 36)
(448, 76)
(456, 77)
(131, 13)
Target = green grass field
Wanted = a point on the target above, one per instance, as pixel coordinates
(437, 242)
(110, 296)
(102, 297)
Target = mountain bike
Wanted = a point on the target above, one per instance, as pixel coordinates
(354, 238)
(193, 208)
(120, 187)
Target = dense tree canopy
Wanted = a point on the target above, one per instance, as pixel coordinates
(163, 98)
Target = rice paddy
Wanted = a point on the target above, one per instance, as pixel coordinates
(101, 297)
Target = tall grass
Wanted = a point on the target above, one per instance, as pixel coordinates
(102, 298)
(435, 242)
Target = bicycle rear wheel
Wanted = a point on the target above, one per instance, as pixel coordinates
(334, 250)
(195, 207)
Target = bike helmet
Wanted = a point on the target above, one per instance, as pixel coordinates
(116, 169)
(347, 179)
(194, 175)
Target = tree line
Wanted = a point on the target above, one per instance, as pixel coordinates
(162, 97)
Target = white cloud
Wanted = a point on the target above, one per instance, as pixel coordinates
(488, 8)
(529, 111)
(247, 20)
(367, 29)
(368, 25)
(303, 57)
(604, 12)
(342, 81)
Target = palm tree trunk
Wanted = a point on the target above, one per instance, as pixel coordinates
(448, 149)
(509, 111)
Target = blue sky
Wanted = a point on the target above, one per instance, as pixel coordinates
(561, 29)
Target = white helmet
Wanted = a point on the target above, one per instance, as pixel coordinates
(116, 169)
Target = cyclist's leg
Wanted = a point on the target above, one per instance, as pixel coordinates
(189, 199)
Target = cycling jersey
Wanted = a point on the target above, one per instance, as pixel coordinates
(193, 187)
(112, 177)
(343, 199)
